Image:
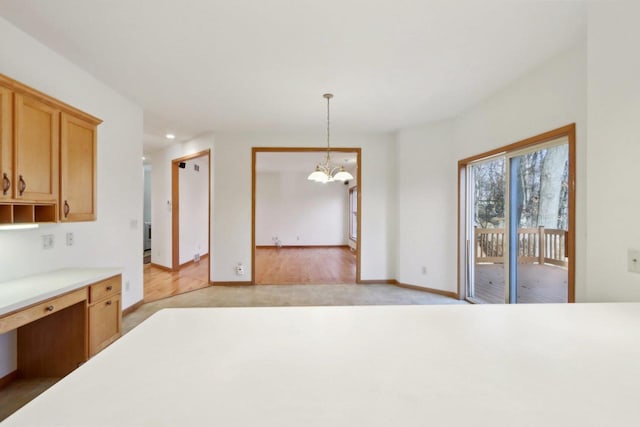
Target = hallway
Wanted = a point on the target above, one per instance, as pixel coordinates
(160, 283)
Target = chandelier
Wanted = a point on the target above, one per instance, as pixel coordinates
(326, 172)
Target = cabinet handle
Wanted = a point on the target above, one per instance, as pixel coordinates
(22, 185)
(49, 308)
(109, 302)
(109, 288)
(67, 208)
(7, 184)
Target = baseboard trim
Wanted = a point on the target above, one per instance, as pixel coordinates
(202, 258)
(302, 246)
(161, 267)
(132, 308)
(7, 379)
(425, 289)
(231, 283)
(378, 282)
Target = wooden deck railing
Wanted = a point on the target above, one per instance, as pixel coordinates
(536, 245)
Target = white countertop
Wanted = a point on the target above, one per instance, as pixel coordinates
(526, 365)
(21, 293)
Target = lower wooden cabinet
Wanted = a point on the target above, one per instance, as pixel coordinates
(105, 315)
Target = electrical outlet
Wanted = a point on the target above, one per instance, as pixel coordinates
(424, 270)
(633, 261)
(127, 285)
(240, 269)
(47, 241)
(70, 239)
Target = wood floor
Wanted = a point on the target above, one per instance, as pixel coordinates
(159, 283)
(311, 265)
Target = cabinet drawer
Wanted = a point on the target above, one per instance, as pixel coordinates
(28, 315)
(104, 323)
(105, 289)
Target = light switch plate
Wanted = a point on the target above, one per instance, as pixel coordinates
(633, 260)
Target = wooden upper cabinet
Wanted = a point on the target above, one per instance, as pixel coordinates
(6, 144)
(36, 147)
(47, 157)
(77, 169)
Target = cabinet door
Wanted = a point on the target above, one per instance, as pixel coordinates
(104, 323)
(36, 150)
(6, 144)
(77, 170)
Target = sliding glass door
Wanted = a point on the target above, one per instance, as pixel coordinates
(487, 185)
(517, 225)
(538, 224)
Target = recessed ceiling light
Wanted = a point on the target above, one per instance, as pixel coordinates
(170, 136)
(144, 158)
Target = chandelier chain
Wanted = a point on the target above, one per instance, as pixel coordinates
(328, 122)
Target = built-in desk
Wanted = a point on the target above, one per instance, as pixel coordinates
(62, 318)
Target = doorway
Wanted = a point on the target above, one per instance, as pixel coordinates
(303, 231)
(190, 223)
(516, 221)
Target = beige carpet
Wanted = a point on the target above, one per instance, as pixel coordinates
(288, 295)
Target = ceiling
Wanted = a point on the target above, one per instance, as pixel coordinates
(199, 66)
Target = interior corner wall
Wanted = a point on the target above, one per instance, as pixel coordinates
(232, 205)
(161, 202)
(548, 97)
(427, 210)
(614, 150)
(300, 212)
(194, 208)
(115, 238)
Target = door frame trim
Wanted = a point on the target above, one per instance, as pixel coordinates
(568, 131)
(256, 150)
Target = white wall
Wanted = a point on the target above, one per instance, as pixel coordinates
(614, 149)
(114, 239)
(161, 200)
(549, 96)
(194, 208)
(146, 206)
(354, 183)
(427, 209)
(146, 209)
(232, 199)
(300, 212)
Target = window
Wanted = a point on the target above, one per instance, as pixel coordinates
(353, 214)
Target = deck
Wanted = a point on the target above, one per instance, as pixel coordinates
(536, 283)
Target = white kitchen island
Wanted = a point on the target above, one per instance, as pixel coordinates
(524, 365)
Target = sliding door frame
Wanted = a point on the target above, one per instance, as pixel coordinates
(508, 151)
